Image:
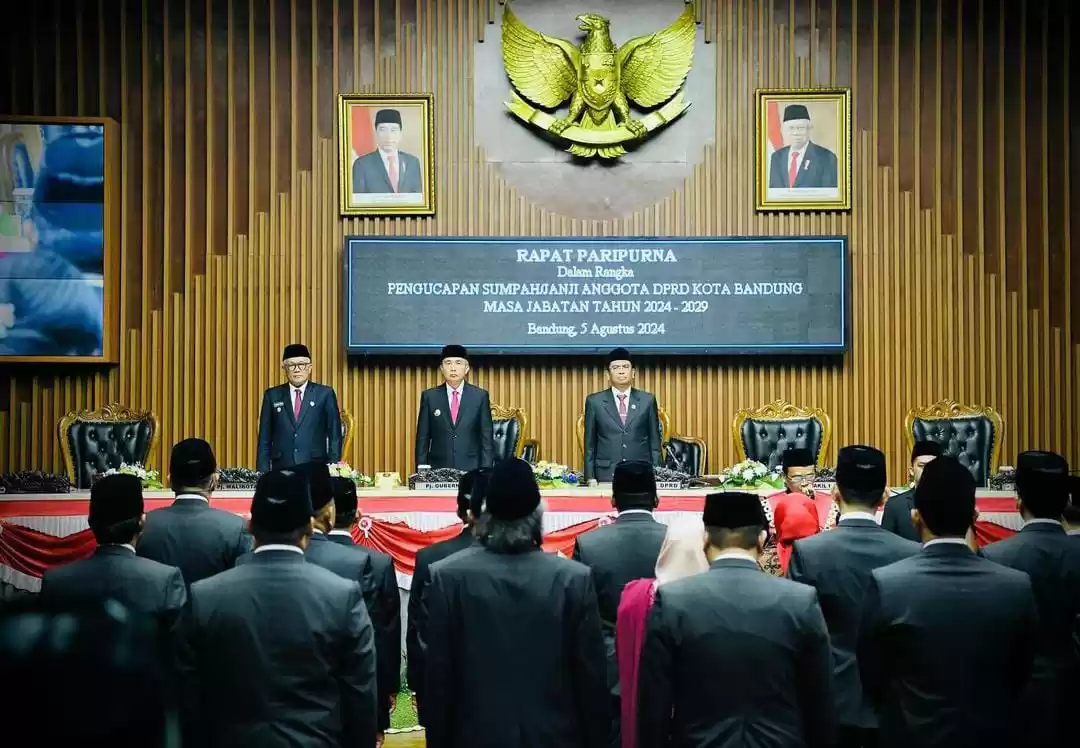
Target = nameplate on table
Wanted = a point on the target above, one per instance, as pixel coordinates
(444, 486)
(825, 486)
(671, 485)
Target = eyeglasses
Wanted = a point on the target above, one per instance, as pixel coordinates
(297, 367)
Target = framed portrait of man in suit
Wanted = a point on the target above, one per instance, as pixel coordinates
(387, 158)
(803, 149)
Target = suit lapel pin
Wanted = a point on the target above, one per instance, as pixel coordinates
(438, 412)
(806, 165)
(312, 403)
(633, 406)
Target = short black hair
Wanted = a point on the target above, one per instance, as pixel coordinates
(120, 532)
(855, 497)
(344, 520)
(293, 537)
(734, 537)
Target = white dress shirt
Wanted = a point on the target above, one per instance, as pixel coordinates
(302, 389)
(858, 515)
(943, 541)
(279, 547)
(799, 156)
(387, 157)
(633, 511)
(192, 496)
(1042, 521)
(615, 394)
(450, 393)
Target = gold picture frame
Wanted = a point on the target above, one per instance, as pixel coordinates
(786, 117)
(386, 158)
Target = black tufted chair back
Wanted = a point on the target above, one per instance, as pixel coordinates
(506, 437)
(685, 455)
(971, 435)
(766, 441)
(95, 441)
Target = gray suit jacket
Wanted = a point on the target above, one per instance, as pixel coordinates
(195, 538)
(285, 441)
(465, 445)
(896, 517)
(608, 441)
(735, 658)
(838, 565)
(369, 174)
(276, 653)
(945, 649)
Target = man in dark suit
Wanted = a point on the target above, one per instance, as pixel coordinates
(354, 563)
(801, 163)
(387, 169)
(896, 517)
(472, 489)
(386, 605)
(735, 657)
(300, 421)
(277, 652)
(512, 633)
(838, 565)
(947, 637)
(621, 422)
(620, 552)
(1070, 518)
(191, 535)
(453, 426)
(1051, 559)
(114, 571)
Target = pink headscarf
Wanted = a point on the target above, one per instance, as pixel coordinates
(681, 555)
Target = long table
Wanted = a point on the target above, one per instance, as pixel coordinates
(43, 530)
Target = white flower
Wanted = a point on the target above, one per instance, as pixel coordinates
(748, 475)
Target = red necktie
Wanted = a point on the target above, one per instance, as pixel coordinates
(392, 159)
(793, 172)
(454, 403)
(296, 405)
(622, 409)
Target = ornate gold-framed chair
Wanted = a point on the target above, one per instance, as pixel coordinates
(93, 441)
(348, 429)
(765, 433)
(970, 433)
(510, 434)
(661, 415)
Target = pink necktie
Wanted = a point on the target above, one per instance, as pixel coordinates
(296, 405)
(622, 408)
(454, 407)
(793, 172)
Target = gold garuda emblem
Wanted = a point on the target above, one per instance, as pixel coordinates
(599, 79)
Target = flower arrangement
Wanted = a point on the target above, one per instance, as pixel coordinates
(436, 475)
(343, 470)
(554, 475)
(233, 479)
(149, 478)
(751, 475)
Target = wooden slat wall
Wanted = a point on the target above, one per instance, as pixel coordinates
(967, 200)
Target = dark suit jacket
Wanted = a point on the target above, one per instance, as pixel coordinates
(945, 649)
(619, 553)
(387, 619)
(114, 572)
(838, 565)
(735, 658)
(818, 168)
(896, 517)
(421, 576)
(1052, 561)
(285, 441)
(277, 653)
(609, 442)
(369, 174)
(514, 638)
(195, 538)
(466, 445)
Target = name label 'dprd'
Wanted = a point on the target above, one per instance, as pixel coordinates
(656, 295)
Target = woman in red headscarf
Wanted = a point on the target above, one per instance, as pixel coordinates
(794, 517)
